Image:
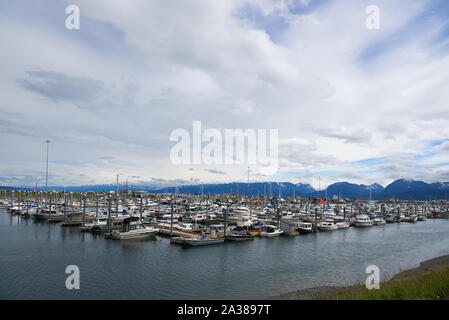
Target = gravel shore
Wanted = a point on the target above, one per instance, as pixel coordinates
(312, 293)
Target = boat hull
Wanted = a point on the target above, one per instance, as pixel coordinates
(363, 224)
(328, 228)
(131, 235)
(239, 237)
(270, 234)
(413, 219)
(201, 242)
(177, 240)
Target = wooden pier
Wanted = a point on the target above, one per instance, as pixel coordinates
(176, 233)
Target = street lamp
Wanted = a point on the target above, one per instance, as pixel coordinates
(46, 172)
(46, 175)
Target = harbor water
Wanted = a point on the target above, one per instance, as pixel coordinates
(34, 256)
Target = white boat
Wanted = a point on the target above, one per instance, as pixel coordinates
(45, 214)
(363, 220)
(422, 217)
(305, 227)
(288, 215)
(98, 223)
(14, 209)
(241, 211)
(245, 221)
(4, 203)
(185, 226)
(151, 203)
(271, 231)
(329, 215)
(342, 225)
(133, 228)
(199, 217)
(413, 219)
(327, 226)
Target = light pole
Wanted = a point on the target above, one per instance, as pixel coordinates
(46, 175)
(46, 171)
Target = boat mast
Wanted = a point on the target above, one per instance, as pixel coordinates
(279, 186)
(116, 200)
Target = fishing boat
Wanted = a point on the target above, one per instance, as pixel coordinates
(202, 241)
(133, 228)
(46, 214)
(215, 230)
(362, 220)
(270, 231)
(378, 221)
(253, 230)
(305, 227)
(327, 226)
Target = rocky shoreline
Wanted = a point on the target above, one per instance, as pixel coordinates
(427, 266)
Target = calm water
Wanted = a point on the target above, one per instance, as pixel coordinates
(33, 258)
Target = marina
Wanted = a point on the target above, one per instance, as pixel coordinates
(147, 242)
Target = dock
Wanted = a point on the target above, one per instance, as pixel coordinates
(177, 233)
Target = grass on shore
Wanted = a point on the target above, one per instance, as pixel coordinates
(428, 286)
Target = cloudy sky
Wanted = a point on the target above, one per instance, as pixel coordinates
(349, 103)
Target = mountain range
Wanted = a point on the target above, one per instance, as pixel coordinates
(404, 189)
